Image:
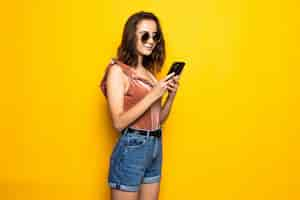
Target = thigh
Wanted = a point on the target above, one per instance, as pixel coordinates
(123, 195)
(149, 191)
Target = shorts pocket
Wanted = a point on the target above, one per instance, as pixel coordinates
(134, 140)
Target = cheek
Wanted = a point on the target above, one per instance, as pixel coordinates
(140, 46)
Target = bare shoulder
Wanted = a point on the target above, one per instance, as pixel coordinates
(116, 74)
(115, 69)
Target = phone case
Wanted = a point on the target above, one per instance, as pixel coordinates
(176, 67)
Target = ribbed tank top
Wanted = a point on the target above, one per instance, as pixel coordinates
(138, 88)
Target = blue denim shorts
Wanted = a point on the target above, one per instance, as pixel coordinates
(135, 159)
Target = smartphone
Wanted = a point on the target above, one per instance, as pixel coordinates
(176, 67)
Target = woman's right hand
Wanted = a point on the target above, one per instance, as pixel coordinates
(161, 86)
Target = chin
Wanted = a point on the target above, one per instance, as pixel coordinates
(147, 53)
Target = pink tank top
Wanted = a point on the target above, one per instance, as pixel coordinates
(138, 88)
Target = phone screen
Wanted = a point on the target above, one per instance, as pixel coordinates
(176, 67)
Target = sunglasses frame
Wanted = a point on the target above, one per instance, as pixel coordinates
(146, 35)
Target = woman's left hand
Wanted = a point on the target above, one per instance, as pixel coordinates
(173, 86)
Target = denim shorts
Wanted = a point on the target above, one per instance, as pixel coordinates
(135, 159)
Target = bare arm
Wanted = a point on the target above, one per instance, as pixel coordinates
(166, 109)
(170, 99)
(115, 93)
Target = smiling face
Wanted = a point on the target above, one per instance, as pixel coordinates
(144, 26)
(140, 44)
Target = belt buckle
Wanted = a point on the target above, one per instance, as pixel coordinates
(148, 133)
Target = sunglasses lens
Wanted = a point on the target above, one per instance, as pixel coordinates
(156, 37)
(145, 37)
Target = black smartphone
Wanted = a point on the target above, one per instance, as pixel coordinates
(176, 67)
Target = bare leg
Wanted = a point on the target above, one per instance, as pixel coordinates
(123, 195)
(149, 191)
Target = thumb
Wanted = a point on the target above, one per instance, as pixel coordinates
(169, 76)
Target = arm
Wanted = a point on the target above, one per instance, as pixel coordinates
(115, 94)
(166, 109)
(172, 89)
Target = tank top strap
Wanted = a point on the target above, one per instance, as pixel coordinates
(130, 72)
(126, 69)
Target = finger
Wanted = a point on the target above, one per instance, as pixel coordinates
(171, 83)
(170, 80)
(171, 89)
(174, 86)
(169, 76)
(175, 78)
(171, 86)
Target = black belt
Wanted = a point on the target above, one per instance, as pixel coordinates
(155, 133)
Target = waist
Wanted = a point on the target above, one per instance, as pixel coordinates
(156, 132)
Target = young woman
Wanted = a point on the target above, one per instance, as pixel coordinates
(134, 97)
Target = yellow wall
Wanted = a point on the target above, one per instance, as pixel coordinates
(233, 132)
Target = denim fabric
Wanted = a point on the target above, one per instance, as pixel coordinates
(135, 159)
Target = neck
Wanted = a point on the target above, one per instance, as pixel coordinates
(140, 63)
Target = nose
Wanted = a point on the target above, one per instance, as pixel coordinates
(150, 40)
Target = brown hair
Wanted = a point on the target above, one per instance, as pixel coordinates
(127, 49)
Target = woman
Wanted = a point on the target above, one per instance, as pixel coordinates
(134, 97)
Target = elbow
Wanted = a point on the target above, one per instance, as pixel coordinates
(119, 129)
(117, 124)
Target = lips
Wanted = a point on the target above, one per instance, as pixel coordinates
(149, 48)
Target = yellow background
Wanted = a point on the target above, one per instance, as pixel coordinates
(233, 131)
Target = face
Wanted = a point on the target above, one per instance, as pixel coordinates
(144, 26)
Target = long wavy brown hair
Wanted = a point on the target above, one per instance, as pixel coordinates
(127, 50)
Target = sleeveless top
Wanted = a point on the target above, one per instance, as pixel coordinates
(138, 88)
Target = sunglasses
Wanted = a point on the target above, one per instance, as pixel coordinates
(146, 35)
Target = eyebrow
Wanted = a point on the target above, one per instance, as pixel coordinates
(147, 31)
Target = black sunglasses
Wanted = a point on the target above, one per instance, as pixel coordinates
(146, 35)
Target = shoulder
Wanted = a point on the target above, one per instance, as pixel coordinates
(115, 68)
(113, 75)
(119, 69)
(116, 71)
